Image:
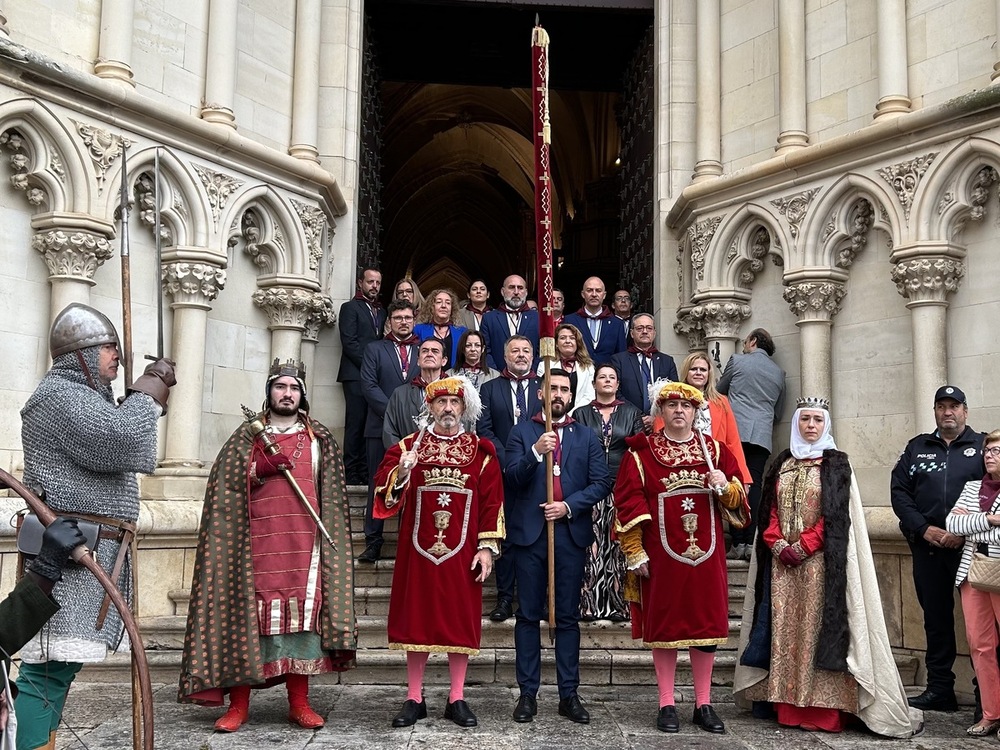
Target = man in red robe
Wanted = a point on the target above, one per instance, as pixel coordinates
(447, 487)
(674, 488)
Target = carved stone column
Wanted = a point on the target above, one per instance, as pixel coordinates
(893, 88)
(815, 301)
(73, 247)
(720, 322)
(708, 141)
(792, 76)
(305, 81)
(687, 326)
(114, 60)
(926, 281)
(192, 278)
(220, 75)
(288, 303)
(325, 315)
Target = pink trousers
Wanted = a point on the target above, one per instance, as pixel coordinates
(982, 613)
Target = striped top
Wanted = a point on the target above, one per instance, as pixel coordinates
(973, 526)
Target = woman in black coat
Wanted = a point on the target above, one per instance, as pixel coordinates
(612, 420)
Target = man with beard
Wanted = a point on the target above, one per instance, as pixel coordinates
(508, 400)
(82, 451)
(271, 601)
(558, 306)
(642, 365)
(445, 483)
(361, 322)
(603, 333)
(512, 317)
(406, 402)
(580, 480)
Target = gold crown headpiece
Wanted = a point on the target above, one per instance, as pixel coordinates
(813, 402)
(290, 368)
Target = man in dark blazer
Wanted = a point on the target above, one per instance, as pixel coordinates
(581, 480)
(362, 320)
(642, 365)
(755, 385)
(386, 365)
(511, 317)
(508, 400)
(603, 333)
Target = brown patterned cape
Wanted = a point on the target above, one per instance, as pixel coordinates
(221, 643)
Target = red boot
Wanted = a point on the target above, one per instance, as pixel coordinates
(239, 710)
(299, 711)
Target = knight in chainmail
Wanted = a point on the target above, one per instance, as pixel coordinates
(81, 453)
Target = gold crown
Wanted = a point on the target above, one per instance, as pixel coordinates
(452, 477)
(812, 402)
(288, 368)
(684, 478)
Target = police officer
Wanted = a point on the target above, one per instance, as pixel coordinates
(926, 482)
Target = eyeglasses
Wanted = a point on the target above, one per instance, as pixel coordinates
(643, 328)
(994, 451)
(401, 318)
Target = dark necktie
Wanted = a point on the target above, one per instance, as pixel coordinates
(404, 360)
(521, 400)
(647, 376)
(557, 493)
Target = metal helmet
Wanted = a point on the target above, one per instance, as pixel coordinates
(80, 327)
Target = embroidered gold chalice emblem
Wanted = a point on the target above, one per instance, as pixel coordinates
(690, 521)
(441, 520)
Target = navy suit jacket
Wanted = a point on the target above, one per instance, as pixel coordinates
(497, 419)
(585, 482)
(356, 332)
(380, 376)
(609, 343)
(496, 332)
(631, 383)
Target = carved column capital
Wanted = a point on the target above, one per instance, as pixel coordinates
(323, 315)
(927, 280)
(192, 284)
(687, 326)
(721, 320)
(72, 253)
(814, 300)
(288, 308)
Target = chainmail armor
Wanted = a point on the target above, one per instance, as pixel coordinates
(83, 451)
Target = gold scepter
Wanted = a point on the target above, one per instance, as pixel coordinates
(258, 429)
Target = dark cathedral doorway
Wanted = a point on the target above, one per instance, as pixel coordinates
(446, 153)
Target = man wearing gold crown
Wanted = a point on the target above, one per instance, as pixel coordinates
(674, 488)
(271, 600)
(445, 483)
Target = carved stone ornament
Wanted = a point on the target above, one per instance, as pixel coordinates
(192, 283)
(313, 221)
(794, 208)
(830, 227)
(20, 162)
(145, 196)
(979, 192)
(289, 307)
(74, 253)
(760, 244)
(104, 148)
(700, 236)
(219, 187)
(687, 326)
(904, 178)
(862, 216)
(927, 279)
(324, 315)
(946, 200)
(814, 300)
(721, 319)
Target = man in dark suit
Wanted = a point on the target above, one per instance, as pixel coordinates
(622, 306)
(508, 400)
(386, 365)
(603, 333)
(361, 322)
(756, 389)
(580, 479)
(642, 365)
(512, 317)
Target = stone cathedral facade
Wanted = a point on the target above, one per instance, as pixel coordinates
(826, 169)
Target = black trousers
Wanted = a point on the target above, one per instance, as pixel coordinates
(373, 526)
(355, 414)
(934, 573)
(756, 456)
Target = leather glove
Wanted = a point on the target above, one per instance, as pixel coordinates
(156, 381)
(789, 557)
(268, 465)
(59, 539)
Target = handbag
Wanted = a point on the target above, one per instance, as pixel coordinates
(30, 530)
(984, 573)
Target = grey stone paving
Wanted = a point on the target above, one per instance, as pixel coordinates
(358, 718)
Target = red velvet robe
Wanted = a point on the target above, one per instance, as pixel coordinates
(661, 485)
(452, 503)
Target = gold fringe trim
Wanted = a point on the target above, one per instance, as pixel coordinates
(619, 529)
(685, 644)
(434, 649)
(539, 37)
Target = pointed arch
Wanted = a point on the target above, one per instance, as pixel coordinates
(732, 256)
(954, 191)
(275, 238)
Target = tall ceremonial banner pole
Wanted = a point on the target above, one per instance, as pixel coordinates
(126, 353)
(543, 255)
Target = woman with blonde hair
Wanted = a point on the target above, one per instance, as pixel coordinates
(715, 418)
(438, 318)
(573, 357)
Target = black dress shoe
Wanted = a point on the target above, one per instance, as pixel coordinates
(706, 718)
(460, 713)
(667, 721)
(573, 710)
(503, 611)
(372, 553)
(525, 709)
(929, 700)
(410, 713)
